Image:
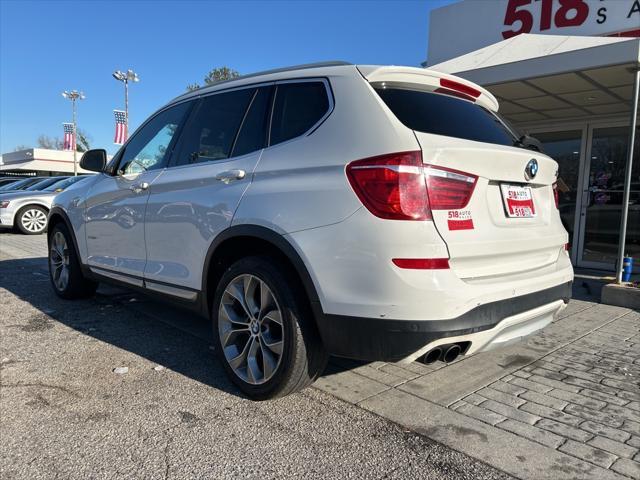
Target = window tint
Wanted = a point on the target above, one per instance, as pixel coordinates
(297, 108)
(253, 133)
(148, 148)
(212, 128)
(63, 184)
(20, 184)
(43, 184)
(445, 115)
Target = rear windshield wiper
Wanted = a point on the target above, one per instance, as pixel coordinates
(527, 141)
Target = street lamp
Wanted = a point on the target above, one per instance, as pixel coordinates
(74, 95)
(130, 76)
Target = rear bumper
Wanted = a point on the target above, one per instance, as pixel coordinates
(485, 326)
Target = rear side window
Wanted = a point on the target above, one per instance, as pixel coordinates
(253, 133)
(297, 108)
(444, 115)
(212, 128)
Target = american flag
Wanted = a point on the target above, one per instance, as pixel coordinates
(69, 137)
(121, 127)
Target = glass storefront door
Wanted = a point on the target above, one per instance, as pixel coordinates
(565, 147)
(601, 208)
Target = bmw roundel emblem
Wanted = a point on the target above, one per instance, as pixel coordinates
(531, 170)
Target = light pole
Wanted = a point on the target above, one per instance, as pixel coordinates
(74, 95)
(125, 78)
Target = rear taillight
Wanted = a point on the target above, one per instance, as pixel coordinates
(449, 189)
(399, 186)
(556, 196)
(391, 186)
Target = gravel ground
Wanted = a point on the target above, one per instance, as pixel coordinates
(65, 413)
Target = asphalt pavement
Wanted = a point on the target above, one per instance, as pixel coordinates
(66, 413)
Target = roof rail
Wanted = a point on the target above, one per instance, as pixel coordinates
(333, 63)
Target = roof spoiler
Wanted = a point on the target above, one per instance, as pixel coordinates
(435, 81)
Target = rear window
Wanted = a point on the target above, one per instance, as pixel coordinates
(444, 115)
(297, 108)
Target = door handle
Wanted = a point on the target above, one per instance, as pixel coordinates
(230, 175)
(139, 187)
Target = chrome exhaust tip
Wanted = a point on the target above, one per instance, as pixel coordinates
(432, 356)
(451, 353)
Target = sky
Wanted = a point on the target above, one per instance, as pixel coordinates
(47, 47)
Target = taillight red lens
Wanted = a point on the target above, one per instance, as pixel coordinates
(460, 87)
(556, 196)
(391, 186)
(449, 189)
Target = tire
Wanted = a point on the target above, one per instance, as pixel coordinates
(271, 320)
(64, 258)
(32, 220)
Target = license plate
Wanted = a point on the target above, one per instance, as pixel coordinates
(518, 201)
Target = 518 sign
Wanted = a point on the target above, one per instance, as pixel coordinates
(568, 13)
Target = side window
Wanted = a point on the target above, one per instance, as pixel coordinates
(148, 148)
(253, 133)
(297, 108)
(212, 128)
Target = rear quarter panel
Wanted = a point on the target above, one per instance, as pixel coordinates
(301, 184)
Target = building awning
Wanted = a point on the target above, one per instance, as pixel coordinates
(39, 160)
(553, 77)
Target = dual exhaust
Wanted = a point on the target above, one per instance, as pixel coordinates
(445, 353)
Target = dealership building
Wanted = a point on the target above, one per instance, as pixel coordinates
(42, 162)
(566, 73)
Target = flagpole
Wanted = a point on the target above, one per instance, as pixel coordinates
(129, 76)
(75, 149)
(74, 95)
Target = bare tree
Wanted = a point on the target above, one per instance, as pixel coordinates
(83, 142)
(21, 147)
(51, 143)
(216, 75)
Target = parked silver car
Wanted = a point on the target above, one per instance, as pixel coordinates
(28, 209)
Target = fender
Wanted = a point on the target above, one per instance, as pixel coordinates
(58, 211)
(268, 235)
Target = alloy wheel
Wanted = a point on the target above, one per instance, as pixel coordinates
(250, 329)
(34, 220)
(59, 261)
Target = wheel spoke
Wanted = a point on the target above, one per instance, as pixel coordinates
(240, 360)
(253, 370)
(236, 291)
(268, 361)
(274, 346)
(231, 335)
(250, 285)
(273, 316)
(231, 315)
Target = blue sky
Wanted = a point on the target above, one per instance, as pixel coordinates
(50, 46)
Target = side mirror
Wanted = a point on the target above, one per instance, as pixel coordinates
(94, 160)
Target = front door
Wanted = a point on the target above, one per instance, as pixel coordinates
(115, 206)
(602, 199)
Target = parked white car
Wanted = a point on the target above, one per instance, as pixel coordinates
(27, 209)
(376, 213)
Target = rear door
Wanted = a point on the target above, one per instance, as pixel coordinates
(196, 197)
(492, 201)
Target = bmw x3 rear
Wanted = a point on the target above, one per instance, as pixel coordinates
(385, 213)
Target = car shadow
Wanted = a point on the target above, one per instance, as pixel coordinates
(168, 336)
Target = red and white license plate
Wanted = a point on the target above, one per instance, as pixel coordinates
(518, 201)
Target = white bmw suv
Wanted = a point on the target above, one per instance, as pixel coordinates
(375, 213)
